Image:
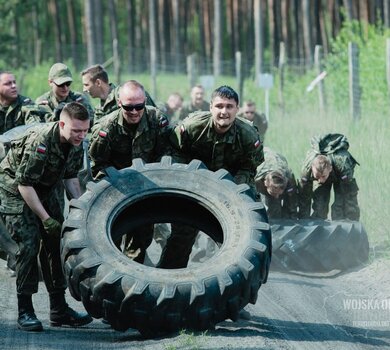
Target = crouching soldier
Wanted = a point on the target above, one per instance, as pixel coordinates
(329, 164)
(34, 165)
(276, 184)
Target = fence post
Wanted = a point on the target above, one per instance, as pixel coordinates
(191, 70)
(388, 63)
(354, 83)
(321, 85)
(282, 61)
(239, 80)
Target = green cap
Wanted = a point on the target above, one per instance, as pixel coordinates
(59, 73)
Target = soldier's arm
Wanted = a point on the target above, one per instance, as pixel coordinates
(99, 150)
(290, 204)
(31, 198)
(179, 142)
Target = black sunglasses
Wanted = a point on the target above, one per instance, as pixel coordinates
(64, 84)
(137, 107)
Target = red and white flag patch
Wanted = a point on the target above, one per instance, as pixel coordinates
(182, 129)
(256, 144)
(41, 149)
(102, 133)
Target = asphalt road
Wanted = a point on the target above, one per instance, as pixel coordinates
(347, 311)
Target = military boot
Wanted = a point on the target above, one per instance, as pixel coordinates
(27, 320)
(62, 315)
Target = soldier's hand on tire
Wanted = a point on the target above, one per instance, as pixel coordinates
(52, 227)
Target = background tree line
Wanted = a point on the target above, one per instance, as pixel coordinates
(128, 31)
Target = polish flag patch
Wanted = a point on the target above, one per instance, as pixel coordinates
(41, 149)
(256, 144)
(102, 133)
(182, 129)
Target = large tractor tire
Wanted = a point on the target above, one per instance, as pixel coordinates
(319, 245)
(132, 295)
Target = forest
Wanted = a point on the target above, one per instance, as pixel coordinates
(166, 32)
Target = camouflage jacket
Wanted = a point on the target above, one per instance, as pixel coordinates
(115, 143)
(259, 122)
(50, 102)
(21, 112)
(274, 161)
(189, 108)
(111, 103)
(335, 147)
(239, 150)
(170, 114)
(37, 159)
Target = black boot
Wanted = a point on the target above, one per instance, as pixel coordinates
(62, 315)
(27, 320)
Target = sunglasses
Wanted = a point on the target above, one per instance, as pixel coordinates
(64, 84)
(137, 107)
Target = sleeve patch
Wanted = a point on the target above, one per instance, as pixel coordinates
(257, 144)
(44, 102)
(182, 129)
(79, 99)
(163, 122)
(344, 177)
(102, 133)
(41, 149)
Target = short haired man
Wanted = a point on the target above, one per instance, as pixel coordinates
(133, 131)
(172, 107)
(329, 164)
(219, 140)
(60, 79)
(197, 102)
(35, 164)
(15, 109)
(276, 183)
(259, 120)
(96, 84)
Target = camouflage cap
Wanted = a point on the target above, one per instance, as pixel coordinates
(59, 73)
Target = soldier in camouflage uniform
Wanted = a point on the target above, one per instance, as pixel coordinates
(172, 107)
(15, 109)
(97, 85)
(259, 120)
(329, 164)
(197, 103)
(276, 183)
(220, 140)
(36, 162)
(133, 131)
(60, 79)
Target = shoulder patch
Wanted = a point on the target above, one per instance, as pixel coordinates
(44, 102)
(102, 133)
(41, 148)
(78, 99)
(182, 129)
(27, 100)
(344, 177)
(257, 144)
(163, 121)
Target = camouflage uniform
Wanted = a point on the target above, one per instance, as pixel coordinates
(21, 112)
(259, 122)
(189, 108)
(170, 114)
(50, 102)
(36, 159)
(111, 103)
(345, 205)
(116, 143)
(239, 151)
(286, 205)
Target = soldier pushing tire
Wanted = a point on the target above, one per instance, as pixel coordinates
(131, 295)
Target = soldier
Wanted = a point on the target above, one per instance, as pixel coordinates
(221, 141)
(36, 162)
(60, 79)
(328, 164)
(133, 131)
(259, 120)
(15, 109)
(172, 107)
(276, 183)
(197, 102)
(97, 85)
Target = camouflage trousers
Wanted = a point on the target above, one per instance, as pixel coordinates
(136, 242)
(33, 242)
(345, 205)
(178, 248)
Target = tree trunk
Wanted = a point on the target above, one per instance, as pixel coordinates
(98, 23)
(307, 31)
(177, 38)
(348, 9)
(202, 35)
(90, 37)
(72, 31)
(114, 38)
(153, 46)
(258, 18)
(36, 35)
(217, 51)
(54, 11)
(130, 18)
